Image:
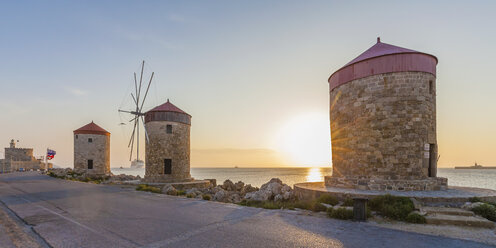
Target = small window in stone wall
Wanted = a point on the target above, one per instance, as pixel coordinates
(167, 166)
(431, 87)
(90, 140)
(169, 129)
(76, 136)
(90, 164)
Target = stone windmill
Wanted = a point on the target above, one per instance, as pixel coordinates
(138, 102)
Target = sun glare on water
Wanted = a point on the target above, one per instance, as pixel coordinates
(305, 140)
(315, 175)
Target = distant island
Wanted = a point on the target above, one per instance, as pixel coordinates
(475, 166)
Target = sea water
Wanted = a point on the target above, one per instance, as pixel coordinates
(485, 178)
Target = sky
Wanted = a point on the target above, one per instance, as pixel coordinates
(253, 74)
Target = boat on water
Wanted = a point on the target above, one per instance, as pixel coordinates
(475, 166)
(137, 164)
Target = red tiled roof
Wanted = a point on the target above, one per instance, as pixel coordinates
(381, 49)
(167, 107)
(91, 128)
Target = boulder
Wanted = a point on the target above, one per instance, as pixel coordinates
(285, 188)
(169, 190)
(235, 198)
(261, 195)
(471, 205)
(215, 189)
(239, 186)
(221, 196)
(269, 191)
(288, 195)
(247, 189)
(279, 197)
(228, 185)
(273, 186)
(191, 191)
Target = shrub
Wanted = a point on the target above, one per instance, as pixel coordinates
(329, 211)
(318, 207)
(190, 195)
(148, 188)
(251, 203)
(341, 213)
(474, 199)
(369, 213)
(303, 205)
(415, 218)
(181, 192)
(348, 202)
(270, 205)
(328, 199)
(394, 207)
(310, 205)
(487, 211)
(206, 197)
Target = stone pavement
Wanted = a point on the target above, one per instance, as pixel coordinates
(74, 214)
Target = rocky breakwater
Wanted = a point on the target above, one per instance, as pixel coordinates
(274, 190)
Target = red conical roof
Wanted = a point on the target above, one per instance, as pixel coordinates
(168, 107)
(381, 49)
(91, 128)
(383, 58)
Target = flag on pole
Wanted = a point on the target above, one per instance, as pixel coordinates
(50, 154)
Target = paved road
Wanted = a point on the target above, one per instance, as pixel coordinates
(74, 214)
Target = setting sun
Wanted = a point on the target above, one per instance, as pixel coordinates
(305, 140)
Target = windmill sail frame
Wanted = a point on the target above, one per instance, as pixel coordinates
(137, 113)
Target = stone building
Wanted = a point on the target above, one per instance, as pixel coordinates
(92, 149)
(383, 121)
(168, 147)
(21, 159)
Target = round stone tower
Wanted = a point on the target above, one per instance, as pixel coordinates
(168, 147)
(92, 149)
(383, 121)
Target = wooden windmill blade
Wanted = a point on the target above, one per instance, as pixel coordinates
(138, 101)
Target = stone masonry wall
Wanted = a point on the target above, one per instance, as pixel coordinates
(19, 154)
(381, 128)
(163, 145)
(98, 150)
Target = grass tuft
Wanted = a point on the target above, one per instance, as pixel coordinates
(340, 213)
(328, 199)
(207, 197)
(394, 207)
(148, 188)
(415, 218)
(348, 202)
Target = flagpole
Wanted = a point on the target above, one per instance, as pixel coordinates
(46, 160)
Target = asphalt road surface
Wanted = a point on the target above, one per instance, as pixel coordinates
(48, 212)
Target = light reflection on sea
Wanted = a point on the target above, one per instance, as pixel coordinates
(257, 176)
(253, 176)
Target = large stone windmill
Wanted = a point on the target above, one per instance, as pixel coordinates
(138, 100)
